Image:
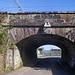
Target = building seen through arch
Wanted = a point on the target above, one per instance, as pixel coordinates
(48, 51)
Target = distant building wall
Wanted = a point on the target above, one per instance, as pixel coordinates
(52, 52)
(46, 52)
(55, 52)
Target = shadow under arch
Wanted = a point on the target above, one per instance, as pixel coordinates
(28, 46)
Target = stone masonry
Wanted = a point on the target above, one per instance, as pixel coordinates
(27, 39)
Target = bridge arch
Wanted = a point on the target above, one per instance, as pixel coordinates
(28, 46)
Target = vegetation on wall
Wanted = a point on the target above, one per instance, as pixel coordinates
(11, 44)
(2, 33)
(2, 38)
(3, 46)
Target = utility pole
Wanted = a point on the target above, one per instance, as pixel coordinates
(19, 5)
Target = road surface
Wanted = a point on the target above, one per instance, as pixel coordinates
(46, 66)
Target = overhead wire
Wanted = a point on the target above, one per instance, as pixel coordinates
(36, 7)
(8, 3)
(43, 6)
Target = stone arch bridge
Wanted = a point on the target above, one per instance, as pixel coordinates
(29, 30)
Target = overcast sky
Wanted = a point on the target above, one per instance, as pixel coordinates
(38, 5)
(49, 47)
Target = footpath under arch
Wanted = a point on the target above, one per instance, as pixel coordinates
(28, 46)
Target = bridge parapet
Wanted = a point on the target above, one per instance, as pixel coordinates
(39, 18)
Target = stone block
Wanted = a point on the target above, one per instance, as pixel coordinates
(37, 17)
(56, 16)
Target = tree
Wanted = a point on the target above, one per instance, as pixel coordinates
(41, 49)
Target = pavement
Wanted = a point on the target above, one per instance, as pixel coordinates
(46, 66)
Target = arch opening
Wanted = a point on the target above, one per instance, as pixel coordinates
(28, 46)
(48, 51)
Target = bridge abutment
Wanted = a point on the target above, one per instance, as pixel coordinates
(28, 56)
